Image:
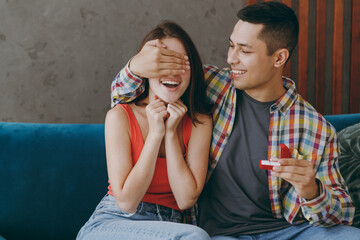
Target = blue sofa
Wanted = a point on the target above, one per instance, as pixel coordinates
(53, 175)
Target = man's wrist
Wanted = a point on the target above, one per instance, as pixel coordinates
(128, 65)
(317, 192)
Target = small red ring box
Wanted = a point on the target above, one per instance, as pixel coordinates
(268, 165)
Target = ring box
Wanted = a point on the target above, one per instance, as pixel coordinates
(268, 165)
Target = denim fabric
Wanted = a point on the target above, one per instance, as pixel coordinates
(149, 221)
(302, 231)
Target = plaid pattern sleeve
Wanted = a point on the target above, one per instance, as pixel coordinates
(126, 87)
(295, 123)
(217, 82)
(220, 91)
(334, 205)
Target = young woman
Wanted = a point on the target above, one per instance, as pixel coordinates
(157, 153)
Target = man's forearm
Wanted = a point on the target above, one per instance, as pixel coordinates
(126, 87)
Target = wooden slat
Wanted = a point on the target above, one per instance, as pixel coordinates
(320, 56)
(303, 47)
(287, 2)
(355, 58)
(249, 2)
(337, 56)
(287, 69)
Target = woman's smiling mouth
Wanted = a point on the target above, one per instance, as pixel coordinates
(170, 84)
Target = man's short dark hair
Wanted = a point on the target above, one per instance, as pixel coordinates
(280, 24)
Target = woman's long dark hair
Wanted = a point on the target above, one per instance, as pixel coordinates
(194, 97)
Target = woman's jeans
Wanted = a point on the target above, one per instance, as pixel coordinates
(150, 221)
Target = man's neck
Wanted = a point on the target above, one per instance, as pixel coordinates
(268, 93)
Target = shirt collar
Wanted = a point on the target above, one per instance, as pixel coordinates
(288, 99)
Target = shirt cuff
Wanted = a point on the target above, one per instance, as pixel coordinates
(322, 195)
(131, 74)
(316, 205)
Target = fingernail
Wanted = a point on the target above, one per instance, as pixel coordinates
(187, 67)
(187, 63)
(186, 57)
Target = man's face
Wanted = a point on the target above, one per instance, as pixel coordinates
(252, 68)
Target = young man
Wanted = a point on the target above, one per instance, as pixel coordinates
(256, 110)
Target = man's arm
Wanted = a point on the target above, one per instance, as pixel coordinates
(218, 82)
(323, 196)
(334, 204)
(126, 87)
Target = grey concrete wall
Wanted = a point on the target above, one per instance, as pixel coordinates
(58, 57)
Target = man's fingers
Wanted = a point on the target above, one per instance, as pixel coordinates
(173, 54)
(170, 62)
(294, 162)
(172, 66)
(154, 43)
(290, 170)
(290, 177)
(167, 72)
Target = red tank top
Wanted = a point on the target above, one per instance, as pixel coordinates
(159, 191)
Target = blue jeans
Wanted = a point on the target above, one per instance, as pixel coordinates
(150, 221)
(302, 231)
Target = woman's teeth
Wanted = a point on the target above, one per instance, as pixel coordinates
(170, 84)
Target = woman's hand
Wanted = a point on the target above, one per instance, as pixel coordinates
(156, 114)
(176, 112)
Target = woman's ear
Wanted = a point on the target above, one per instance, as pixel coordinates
(281, 56)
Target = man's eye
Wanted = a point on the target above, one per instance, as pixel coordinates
(243, 51)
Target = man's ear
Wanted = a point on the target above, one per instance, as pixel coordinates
(280, 56)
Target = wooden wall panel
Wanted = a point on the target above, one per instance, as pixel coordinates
(337, 56)
(355, 58)
(303, 47)
(320, 56)
(287, 70)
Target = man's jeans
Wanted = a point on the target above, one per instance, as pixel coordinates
(303, 231)
(150, 222)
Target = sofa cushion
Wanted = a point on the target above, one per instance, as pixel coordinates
(349, 162)
(52, 176)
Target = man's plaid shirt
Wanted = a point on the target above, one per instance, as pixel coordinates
(294, 122)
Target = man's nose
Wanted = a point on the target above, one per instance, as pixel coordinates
(232, 57)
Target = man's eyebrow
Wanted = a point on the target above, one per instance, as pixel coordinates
(241, 44)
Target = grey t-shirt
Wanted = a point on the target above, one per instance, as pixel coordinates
(236, 199)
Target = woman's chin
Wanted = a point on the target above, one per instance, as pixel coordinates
(169, 99)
